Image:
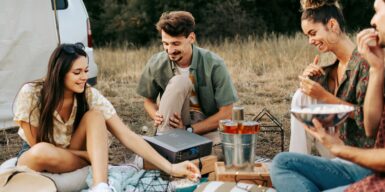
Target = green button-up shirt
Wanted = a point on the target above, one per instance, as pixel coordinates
(351, 89)
(213, 83)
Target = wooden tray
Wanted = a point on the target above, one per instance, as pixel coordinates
(208, 164)
(259, 175)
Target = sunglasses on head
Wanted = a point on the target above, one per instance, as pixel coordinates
(72, 48)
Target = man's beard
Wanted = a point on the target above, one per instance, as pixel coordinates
(176, 57)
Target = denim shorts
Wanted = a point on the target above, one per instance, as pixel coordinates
(23, 149)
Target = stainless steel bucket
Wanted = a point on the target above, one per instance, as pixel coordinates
(238, 149)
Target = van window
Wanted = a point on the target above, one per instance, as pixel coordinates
(60, 4)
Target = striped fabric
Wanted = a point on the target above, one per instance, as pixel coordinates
(219, 186)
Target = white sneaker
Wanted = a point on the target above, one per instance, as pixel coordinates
(102, 187)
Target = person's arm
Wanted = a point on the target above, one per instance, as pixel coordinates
(151, 107)
(136, 143)
(315, 90)
(211, 123)
(370, 158)
(149, 89)
(30, 132)
(332, 99)
(26, 111)
(373, 104)
(139, 146)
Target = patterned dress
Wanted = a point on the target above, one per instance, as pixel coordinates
(352, 89)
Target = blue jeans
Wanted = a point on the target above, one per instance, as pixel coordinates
(299, 172)
(25, 147)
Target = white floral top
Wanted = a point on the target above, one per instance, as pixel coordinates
(27, 101)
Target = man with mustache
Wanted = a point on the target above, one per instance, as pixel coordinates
(194, 85)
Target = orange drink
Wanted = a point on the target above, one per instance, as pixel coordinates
(231, 127)
(248, 127)
(221, 124)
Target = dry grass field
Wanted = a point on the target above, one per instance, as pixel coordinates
(264, 71)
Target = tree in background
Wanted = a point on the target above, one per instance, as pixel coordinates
(227, 18)
(132, 21)
(124, 21)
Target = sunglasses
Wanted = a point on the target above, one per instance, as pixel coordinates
(73, 48)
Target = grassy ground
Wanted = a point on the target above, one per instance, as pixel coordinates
(264, 72)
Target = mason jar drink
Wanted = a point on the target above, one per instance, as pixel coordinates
(230, 127)
(248, 127)
(221, 124)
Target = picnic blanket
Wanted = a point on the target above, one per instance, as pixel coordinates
(122, 178)
(128, 178)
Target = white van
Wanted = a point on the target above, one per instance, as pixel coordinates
(29, 32)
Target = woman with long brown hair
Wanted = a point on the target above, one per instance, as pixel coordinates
(64, 123)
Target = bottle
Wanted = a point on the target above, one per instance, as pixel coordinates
(238, 113)
(238, 116)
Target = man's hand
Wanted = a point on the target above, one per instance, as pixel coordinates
(373, 54)
(176, 121)
(158, 119)
(333, 143)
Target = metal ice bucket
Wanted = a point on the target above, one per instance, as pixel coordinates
(238, 149)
